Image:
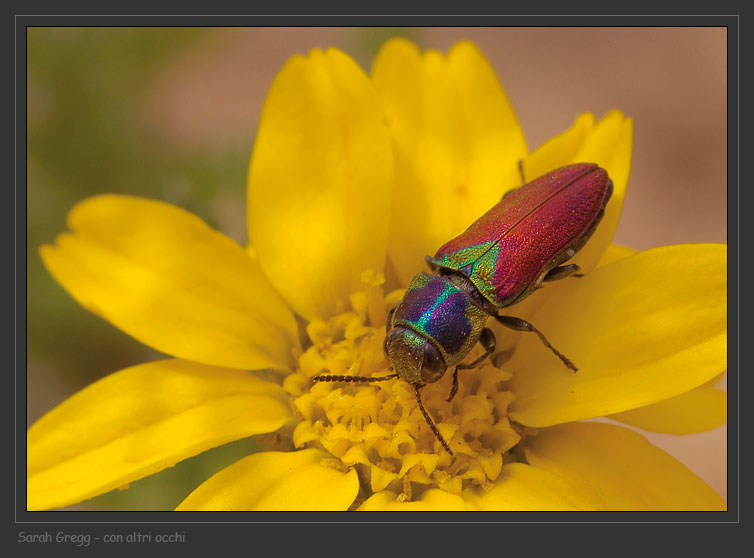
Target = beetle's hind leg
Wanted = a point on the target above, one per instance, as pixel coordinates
(562, 271)
(488, 341)
(522, 325)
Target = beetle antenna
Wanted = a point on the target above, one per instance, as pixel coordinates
(365, 379)
(429, 420)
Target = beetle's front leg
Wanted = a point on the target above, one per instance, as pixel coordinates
(522, 325)
(486, 340)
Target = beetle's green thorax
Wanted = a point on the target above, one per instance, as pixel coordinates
(436, 310)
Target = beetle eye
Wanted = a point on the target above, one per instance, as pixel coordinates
(433, 365)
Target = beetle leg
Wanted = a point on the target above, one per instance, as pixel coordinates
(561, 272)
(522, 325)
(454, 389)
(488, 341)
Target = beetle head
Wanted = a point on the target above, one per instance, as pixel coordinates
(414, 357)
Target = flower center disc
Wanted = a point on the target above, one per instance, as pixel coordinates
(379, 428)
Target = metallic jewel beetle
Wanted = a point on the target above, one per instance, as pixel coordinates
(502, 258)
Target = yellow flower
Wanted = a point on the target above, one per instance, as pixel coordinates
(354, 179)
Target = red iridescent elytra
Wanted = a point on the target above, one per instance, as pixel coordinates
(499, 260)
(529, 232)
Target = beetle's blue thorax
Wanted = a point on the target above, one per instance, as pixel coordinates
(441, 311)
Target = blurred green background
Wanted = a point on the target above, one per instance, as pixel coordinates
(170, 113)
(84, 138)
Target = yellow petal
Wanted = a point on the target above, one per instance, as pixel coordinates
(163, 276)
(609, 145)
(614, 253)
(560, 150)
(431, 500)
(320, 182)
(640, 330)
(507, 338)
(457, 144)
(697, 410)
(276, 481)
(525, 488)
(139, 421)
(621, 467)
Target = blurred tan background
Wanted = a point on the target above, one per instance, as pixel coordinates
(172, 113)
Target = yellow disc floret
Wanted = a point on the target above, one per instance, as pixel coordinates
(378, 427)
